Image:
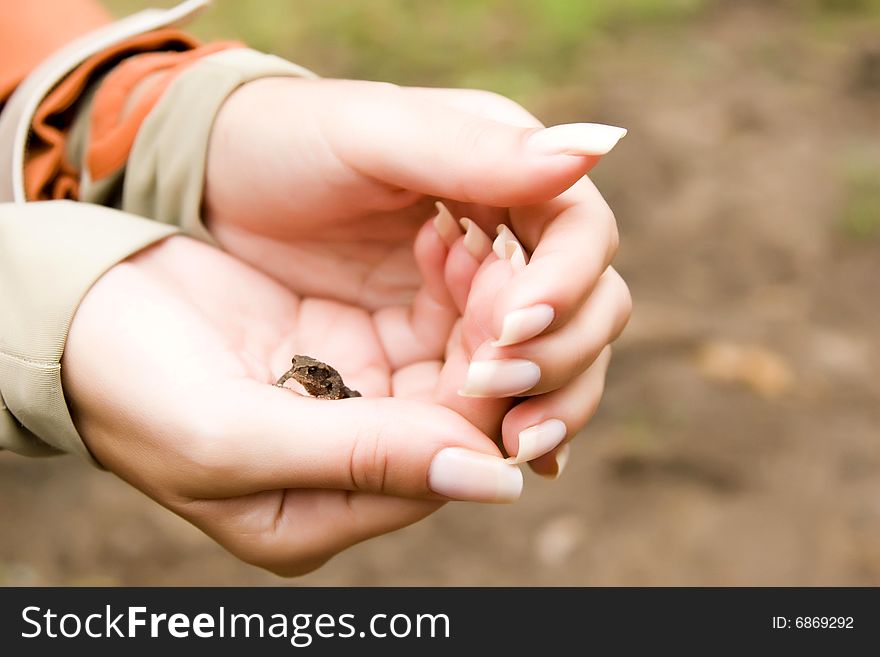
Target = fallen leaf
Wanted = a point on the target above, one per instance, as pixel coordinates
(763, 371)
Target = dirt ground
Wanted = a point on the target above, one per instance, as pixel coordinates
(739, 440)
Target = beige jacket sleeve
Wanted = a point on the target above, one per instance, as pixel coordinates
(164, 176)
(52, 252)
(50, 255)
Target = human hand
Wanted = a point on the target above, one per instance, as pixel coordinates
(526, 332)
(329, 199)
(168, 372)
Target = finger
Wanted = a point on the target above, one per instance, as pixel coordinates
(506, 257)
(540, 424)
(419, 331)
(551, 465)
(560, 355)
(292, 532)
(484, 413)
(470, 257)
(479, 102)
(573, 240)
(491, 278)
(263, 438)
(466, 256)
(409, 142)
(416, 381)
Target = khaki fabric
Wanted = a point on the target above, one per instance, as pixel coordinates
(18, 113)
(52, 252)
(165, 174)
(50, 255)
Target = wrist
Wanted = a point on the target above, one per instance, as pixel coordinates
(265, 144)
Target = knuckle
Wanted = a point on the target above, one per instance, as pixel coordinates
(271, 545)
(578, 358)
(627, 302)
(266, 554)
(296, 565)
(503, 107)
(297, 568)
(368, 460)
(588, 352)
(471, 137)
(618, 282)
(613, 235)
(624, 299)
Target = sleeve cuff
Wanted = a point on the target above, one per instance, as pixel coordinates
(52, 253)
(165, 173)
(19, 111)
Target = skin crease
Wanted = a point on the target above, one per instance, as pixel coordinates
(327, 216)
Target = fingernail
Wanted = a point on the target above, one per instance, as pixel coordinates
(500, 378)
(514, 252)
(505, 235)
(524, 324)
(576, 139)
(539, 439)
(445, 224)
(465, 475)
(561, 457)
(476, 241)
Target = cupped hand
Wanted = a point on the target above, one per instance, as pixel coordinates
(168, 372)
(532, 346)
(326, 186)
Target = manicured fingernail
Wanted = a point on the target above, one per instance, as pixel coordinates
(539, 439)
(514, 252)
(524, 324)
(476, 241)
(500, 378)
(505, 235)
(576, 139)
(465, 475)
(445, 224)
(561, 457)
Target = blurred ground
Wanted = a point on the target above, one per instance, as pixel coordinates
(739, 441)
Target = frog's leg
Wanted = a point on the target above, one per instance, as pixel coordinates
(284, 377)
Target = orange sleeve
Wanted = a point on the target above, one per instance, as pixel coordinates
(155, 57)
(31, 30)
(124, 99)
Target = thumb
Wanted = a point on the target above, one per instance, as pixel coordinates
(406, 139)
(275, 439)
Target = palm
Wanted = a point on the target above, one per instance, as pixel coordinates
(277, 478)
(324, 222)
(335, 233)
(355, 256)
(203, 349)
(245, 325)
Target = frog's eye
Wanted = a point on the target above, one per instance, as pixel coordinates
(318, 373)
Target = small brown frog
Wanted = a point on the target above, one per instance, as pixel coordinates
(319, 379)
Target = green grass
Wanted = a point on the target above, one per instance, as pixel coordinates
(511, 46)
(860, 219)
(845, 6)
(514, 47)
